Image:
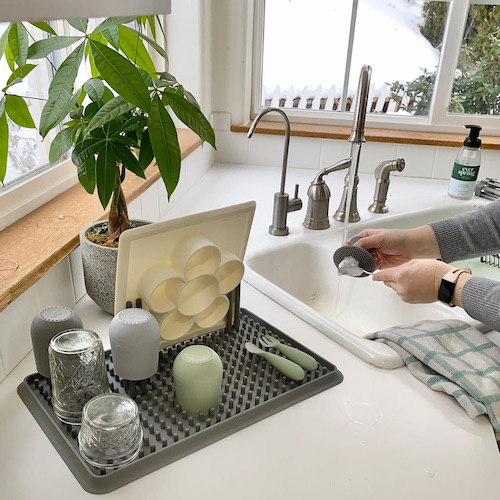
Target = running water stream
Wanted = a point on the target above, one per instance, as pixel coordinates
(353, 168)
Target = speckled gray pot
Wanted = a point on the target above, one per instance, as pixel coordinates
(99, 266)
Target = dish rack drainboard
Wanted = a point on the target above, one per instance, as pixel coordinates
(251, 391)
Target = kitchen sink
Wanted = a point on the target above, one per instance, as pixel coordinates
(298, 273)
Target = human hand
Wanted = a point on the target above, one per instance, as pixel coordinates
(417, 281)
(393, 247)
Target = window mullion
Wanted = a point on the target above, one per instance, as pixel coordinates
(457, 17)
(348, 60)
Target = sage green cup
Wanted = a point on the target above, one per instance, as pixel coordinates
(197, 374)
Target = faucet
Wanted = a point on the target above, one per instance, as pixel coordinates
(282, 204)
(319, 197)
(382, 173)
(357, 138)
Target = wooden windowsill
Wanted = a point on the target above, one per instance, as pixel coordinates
(371, 134)
(46, 236)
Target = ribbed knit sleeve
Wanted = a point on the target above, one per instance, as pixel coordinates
(469, 235)
(481, 300)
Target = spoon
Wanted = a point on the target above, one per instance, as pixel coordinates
(285, 366)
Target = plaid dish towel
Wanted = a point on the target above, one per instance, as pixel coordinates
(453, 357)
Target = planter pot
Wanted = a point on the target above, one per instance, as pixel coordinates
(99, 265)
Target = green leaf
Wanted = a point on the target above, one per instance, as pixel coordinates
(3, 41)
(18, 43)
(77, 113)
(108, 95)
(20, 73)
(2, 106)
(134, 49)
(42, 25)
(18, 111)
(191, 116)
(4, 145)
(86, 149)
(112, 36)
(86, 174)
(153, 44)
(12, 83)
(127, 159)
(163, 137)
(44, 47)
(62, 143)
(152, 25)
(121, 75)
(111, 110)
(10, 58)
(113, 21)
(79, 24)
(146, 155)
(94, 88)
(134, 123)
(61, 91)
(106, 174)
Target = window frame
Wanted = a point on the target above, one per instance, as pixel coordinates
(438, 119)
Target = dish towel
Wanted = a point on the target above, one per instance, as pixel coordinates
(453, 357)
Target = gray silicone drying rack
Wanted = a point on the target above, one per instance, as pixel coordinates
(252, 391)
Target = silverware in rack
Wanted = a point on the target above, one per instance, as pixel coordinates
(488, 188)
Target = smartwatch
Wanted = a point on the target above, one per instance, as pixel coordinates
(448, 284)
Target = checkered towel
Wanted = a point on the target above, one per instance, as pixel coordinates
(453, 357)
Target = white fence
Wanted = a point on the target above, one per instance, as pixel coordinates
(331, 99)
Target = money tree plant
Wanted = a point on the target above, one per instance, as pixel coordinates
(119, 121)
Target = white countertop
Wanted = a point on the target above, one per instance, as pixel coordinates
(378, 434)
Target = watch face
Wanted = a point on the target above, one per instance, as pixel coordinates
(446, 291)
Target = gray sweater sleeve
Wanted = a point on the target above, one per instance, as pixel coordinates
(470, 235)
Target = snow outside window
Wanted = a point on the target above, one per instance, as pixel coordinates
(435, 64)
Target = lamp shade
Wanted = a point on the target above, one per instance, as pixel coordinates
(36, 10)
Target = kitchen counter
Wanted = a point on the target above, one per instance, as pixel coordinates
(379, 434)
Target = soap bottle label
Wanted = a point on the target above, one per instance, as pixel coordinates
(463, 180)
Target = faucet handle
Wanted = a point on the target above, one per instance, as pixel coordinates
(295, 203)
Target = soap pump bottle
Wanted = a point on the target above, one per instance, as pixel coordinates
(466, 166)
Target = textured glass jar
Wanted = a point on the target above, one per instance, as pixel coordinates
(78, 372)
(111, 432)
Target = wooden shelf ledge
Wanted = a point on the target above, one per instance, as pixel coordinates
(371, 134)
(43, 238)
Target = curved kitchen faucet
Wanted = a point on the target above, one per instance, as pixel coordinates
(319, 193)
(282, 204)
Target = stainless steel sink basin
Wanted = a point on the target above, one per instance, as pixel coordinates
(298, 272)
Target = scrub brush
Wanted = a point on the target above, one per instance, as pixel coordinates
(354, 261)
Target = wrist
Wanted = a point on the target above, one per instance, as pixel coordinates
(451, 285)
(423, 243)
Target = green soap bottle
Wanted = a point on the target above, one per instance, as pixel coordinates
(466, 166)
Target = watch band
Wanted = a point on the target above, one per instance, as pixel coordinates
(448, 283)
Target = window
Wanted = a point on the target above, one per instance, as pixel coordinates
(27, 153)
(435, 64)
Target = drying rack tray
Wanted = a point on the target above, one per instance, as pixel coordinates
(252, 390)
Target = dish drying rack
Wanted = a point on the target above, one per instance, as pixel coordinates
(252, 390)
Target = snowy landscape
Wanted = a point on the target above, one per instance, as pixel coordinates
(306, 43)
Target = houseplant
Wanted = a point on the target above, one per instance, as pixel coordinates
(118, 120)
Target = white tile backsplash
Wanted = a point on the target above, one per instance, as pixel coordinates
(231, 147)
(332, 151)
(490, 164)
(304, 152)
(443, 162)
(265, 150)
(418, 160)
(372, 154)
(55, 288)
